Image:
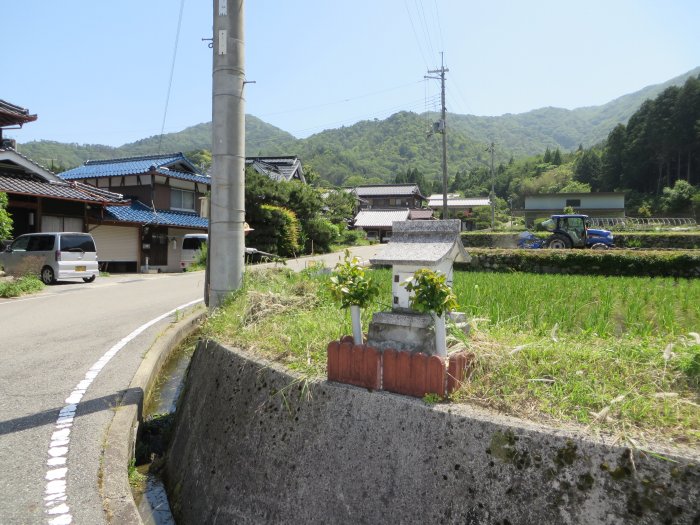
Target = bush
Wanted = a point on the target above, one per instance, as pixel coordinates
(586, 262)
(278, 231)
(23, 285)
(320, 233)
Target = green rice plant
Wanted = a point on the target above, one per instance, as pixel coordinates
(615, 354)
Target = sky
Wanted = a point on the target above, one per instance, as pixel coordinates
(111, 73)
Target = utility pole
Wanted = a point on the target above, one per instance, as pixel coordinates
(492, 197)
(226, 235)
(442, 128)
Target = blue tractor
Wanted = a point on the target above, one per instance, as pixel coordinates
(568, 231)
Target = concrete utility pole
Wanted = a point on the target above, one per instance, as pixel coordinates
(442, 128)
(227, 217)
(492, 197)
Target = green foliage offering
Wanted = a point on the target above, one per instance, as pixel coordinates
(431, 293)
(350, 285)
(22, 286)
(5, 219)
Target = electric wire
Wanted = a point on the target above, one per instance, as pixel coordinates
(341, 101)
(437, 18)
(172, 72)
(415, 34)
(424, 24)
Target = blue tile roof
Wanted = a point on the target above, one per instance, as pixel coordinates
(174, 165)
(139, 213)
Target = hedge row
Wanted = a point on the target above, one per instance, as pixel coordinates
(589, 262)
(678, 240)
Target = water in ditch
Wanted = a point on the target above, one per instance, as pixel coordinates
(158, 414)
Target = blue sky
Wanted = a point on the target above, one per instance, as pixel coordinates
(99, 72)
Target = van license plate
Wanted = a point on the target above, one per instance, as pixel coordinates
(80, 268)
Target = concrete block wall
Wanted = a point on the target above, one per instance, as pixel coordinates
(255, 444)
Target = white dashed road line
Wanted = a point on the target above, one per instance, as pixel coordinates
(55, 494)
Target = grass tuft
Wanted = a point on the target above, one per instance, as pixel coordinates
(22, 286)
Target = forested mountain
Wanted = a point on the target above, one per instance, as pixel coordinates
(261, 138)
(659, 146)
(379, 150)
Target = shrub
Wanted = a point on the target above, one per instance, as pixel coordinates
(277, 232)
(21, 286)
(320, 234)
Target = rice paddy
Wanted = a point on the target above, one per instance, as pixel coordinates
(618, 355)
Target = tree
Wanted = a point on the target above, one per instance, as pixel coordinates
(5, 219)
(678, 198)
(547, 156)
(339, 206)
(200, 158)
(587, 168)
(311, 176)
(612, 159)
(556, 157)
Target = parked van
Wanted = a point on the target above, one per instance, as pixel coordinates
(191, 245)
(53, 256)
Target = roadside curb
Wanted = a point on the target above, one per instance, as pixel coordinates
(120, 440)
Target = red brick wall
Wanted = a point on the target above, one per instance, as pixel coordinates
(411, 374)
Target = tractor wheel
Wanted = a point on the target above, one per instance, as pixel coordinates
(559, 242)
(600, 246)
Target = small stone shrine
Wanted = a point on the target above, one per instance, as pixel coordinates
(435, 245)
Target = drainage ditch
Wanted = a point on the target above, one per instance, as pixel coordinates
(154, 432)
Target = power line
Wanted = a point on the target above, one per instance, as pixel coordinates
(426, 30)
(415, 33)
(172, 71)
(340, 101)
(437, 17)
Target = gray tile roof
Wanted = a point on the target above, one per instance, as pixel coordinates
(379, 218)
(387, 190)
(422, 243)
(435, 201)
(27, 184)
(418, 215)
(12, 158)
(11, 115)
(278, 168)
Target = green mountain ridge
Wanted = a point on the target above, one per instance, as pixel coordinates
(381, 149)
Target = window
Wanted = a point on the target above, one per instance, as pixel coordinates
(77, 243)
(181, 200)
(41, 243)
(574, 203)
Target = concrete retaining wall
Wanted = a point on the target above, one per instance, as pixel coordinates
(253, 444)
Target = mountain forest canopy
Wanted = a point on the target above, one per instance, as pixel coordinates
(644, 143)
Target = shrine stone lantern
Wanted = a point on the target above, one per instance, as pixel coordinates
(435, 245)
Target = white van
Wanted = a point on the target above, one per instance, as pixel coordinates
(191, 244)
(52, 255)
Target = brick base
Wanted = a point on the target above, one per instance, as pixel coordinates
(408, 373)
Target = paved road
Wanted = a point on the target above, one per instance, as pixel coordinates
(51, 406)
(48, 343)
